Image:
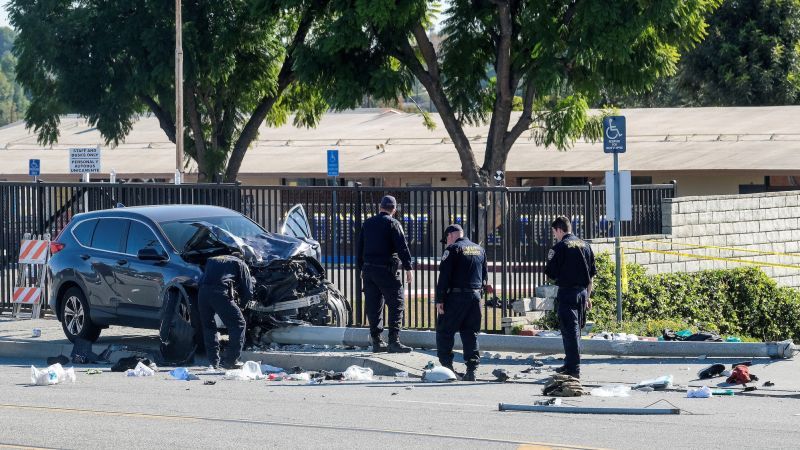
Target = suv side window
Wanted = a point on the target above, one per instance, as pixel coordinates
(141, 236)
(83, 232)
(108, 234)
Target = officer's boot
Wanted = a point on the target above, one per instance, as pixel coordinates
(378, 346)
(394, 344)
(470, 375)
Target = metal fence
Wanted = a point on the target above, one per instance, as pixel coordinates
(513, 224)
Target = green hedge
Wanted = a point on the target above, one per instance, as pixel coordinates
(743, 302)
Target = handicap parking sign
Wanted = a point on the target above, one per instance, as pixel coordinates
(614, 134)
(34, 167)
(333, 163)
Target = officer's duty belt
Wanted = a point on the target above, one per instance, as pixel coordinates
(464, 291)
(382, 266)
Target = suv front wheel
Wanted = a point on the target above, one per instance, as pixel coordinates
(75, 317)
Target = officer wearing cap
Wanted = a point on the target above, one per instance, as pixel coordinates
(462, 274)
(382, 251)
(571, 264)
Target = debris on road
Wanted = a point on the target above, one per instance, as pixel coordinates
(141, 370)
(727, 392)
(657, 384)
(750, 389)
(93, 371)
(357, 373)
(563, 386)
(585, 410)
(769, 384)
(266, 368)
(712, 371)
(53, 374)
(549, 402)
(438, 374)
(616, 390)
(131, 362)
(209, 382)
(182, 373)
(703, 392)
(36, 332)
(741, 375)
(299, 377)
(401, 374)
(251, 370)
(501, 375)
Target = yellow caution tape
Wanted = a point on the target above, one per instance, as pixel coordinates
(624, 274)
(715, 258)
(736, 249)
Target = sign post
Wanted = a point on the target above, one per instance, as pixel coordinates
(333, 173)
(614, 142)
(34, 169)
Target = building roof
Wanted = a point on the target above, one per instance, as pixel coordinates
(384, 142)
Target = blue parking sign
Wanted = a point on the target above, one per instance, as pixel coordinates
(34, 167)
(614, 134)
(333, 163)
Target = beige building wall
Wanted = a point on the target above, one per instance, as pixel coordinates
(711, 232)
(712, 183)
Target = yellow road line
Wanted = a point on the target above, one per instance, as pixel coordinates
(715, 258)
(736, 249)
(286, 424)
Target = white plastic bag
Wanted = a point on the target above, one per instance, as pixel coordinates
(52, 375)
(659, 383)
(140, 371)
(616, 390)
(703, 392)
(358, 373)
(438, 374)
(235, 374)
(252, 370)
(300, 377)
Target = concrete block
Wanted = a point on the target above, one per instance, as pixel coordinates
(678, 267)
(743, 203)
(772, 202)
(534, 316)
(542, 304)
(725, 205)
(656, 258)
(692, 219)
(792, 247)
(693, 266)
(521, 306)
(546, 291)
(728, 228)
(664, 268)
(706, 264)
(793, 200)
(706, 217)
(642, 258)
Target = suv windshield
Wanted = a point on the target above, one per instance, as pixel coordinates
(180, 231)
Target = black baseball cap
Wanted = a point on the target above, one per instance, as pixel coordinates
(388, 202)
(450, 229)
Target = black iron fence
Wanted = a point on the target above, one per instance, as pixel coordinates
(513, 224)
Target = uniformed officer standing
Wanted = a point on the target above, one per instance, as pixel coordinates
(462, 274)
(382, 251)
(224, 277)
(571, 263)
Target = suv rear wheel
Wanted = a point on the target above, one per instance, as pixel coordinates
(75, 316)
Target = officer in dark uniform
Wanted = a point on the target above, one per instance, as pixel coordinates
(224, 279)
(571, 264)
(382, 251)
(462, 274)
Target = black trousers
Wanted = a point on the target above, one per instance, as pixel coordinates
(382, 286)
(211, 300)
(571, 317)
(462, 314)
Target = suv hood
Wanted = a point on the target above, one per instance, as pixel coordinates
(210, 239)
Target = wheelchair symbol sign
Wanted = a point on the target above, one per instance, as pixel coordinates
(614, 134)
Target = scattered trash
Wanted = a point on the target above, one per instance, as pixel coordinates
(645, 389)
(297, 369)
(712, 371)
(703, 392)
(549, 402)
(209, 382)
(266, 368)
(496, 356)
(53, 374)
(37, 332)
(394, 393)
(728, 392)
(750, 389)
(528, 370)
(733, 339)
(563, 386)
(277, 376)
(318, 380)
(357, 373)
(769, 384)
(93, 371)
(130, 362)
(401, 374)
(141, 370)
(726, 373)
(616, 390)
(409, 388)
(60, 359)
(657, 384)
(438, 374)
(429, 366)
(182, 373)
(299, 377)
(741, 375)
(742, 363)
(251, 370)
(501, 375)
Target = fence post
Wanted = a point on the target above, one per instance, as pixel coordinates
(357, 238)
(474, 221)
(589, 219)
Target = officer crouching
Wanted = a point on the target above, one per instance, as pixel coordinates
(224, 279)
(462, 274)
(571, 263)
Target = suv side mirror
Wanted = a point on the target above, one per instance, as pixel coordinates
(151, 254)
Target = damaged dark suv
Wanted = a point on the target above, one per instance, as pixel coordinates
(139, 267)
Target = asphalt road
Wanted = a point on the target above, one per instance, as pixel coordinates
(112, 411)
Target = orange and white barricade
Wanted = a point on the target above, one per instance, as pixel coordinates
(29, 287)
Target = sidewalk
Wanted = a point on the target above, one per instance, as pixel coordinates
(16, 341)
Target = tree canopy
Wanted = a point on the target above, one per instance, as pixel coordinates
(113, 61)
(12, 97)
(558, 56)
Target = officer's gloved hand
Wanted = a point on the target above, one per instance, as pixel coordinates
(440, 308)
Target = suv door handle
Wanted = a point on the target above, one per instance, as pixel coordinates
(122, 262)
(84, 257)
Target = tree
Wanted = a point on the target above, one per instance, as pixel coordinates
(13, 101)
(557, 55)
(113, 60)
(751, 57)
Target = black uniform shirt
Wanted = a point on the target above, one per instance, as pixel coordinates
(221, 271)
(571, 262)
(381, 241)
(463, 266)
